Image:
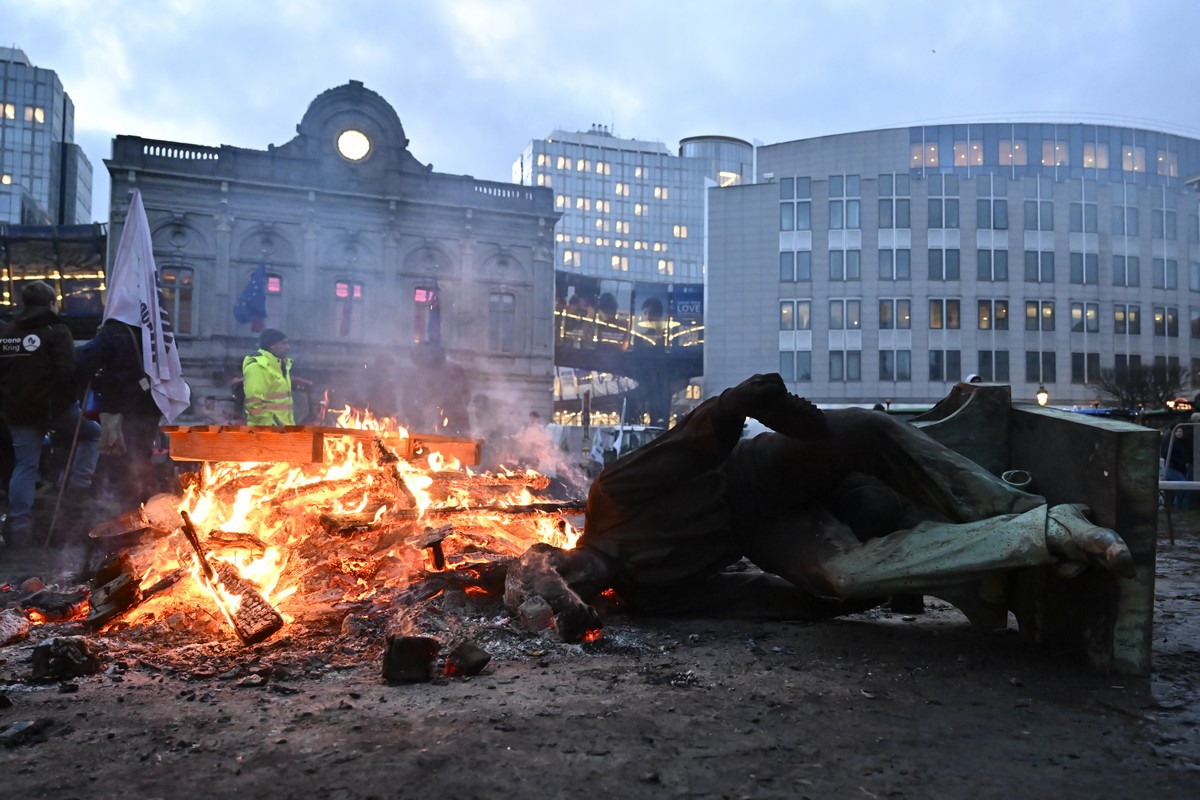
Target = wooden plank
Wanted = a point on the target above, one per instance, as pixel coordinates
(304, 444)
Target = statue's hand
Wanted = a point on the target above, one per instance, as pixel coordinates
(1071, 535)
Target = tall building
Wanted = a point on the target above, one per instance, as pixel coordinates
(890, 264)
(45, 179)
(630, 251)
(368, 256)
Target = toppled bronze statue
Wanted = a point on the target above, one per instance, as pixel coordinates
(842, 509)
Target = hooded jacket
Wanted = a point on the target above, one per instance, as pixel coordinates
(268, 386)
(37, 363)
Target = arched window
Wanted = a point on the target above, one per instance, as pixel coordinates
(177, 287)
(348, 297)
(427, 314)
(502, 316)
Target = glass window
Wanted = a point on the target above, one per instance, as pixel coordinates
(502, 322)
(943, 264)
(177, 287)
(787, 365)
(1054, 154)
(1127, 320)
(804, 266)
(1133, 159)
(787, 315)
(925, 155)
(993, 315)
(1095, 155)
(427, 315)
(1013, 153)
(1039, 315)
(348, 296)
(1085, 318)
(1085, 268)
(992, 265)
(1167, 163)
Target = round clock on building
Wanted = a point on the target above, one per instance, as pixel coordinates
(353, 145)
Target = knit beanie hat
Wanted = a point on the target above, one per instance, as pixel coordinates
(270, 337)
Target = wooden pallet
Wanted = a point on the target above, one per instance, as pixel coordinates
(304, 444)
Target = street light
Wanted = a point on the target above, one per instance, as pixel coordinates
(1042, 396)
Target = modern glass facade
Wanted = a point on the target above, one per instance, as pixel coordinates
(45, 179)
(630, 242)
(898, 262)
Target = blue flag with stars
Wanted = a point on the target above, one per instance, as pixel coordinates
(251, 305)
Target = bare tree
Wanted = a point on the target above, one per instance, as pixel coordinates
(1149, 386)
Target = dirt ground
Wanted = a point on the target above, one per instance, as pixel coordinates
(877, 705)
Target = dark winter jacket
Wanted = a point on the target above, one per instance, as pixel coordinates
(37, 360)
(112, 361)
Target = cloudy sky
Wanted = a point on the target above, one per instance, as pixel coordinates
(474, 80)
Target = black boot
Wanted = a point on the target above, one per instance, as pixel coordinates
(766, 399)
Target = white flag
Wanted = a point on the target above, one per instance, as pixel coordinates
(134, 297)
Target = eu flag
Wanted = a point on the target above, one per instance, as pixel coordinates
(251, 305)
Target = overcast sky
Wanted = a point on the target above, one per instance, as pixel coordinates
(474, 80)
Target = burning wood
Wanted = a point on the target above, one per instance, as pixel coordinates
(332, 543)
(252, 617)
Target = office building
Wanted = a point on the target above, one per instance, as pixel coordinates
(630, 252)
(45, 179)
(889, 264)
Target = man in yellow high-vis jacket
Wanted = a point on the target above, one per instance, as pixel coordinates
(268, 381)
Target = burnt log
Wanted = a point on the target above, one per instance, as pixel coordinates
(538, 574)
(115, 589)
(254, 619)
(64, 657)
(410, 659)
(467, 659)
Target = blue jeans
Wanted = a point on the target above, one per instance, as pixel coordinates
(27, 452)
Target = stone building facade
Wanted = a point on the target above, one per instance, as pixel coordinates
(367, 252)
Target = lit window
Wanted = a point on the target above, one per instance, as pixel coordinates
(5, 179)
(666, 266)
(561, 201)
(681, 231)
(1095, 155)
(177, 296)
(1054, 154)
(564, 162)
(8, 110)
(1133, 159)
(637, 172)
(1012, 152)
(638, 208)
(620, 263)
(541, 159)
(925, 155)
(968, 154)
(1168, 163)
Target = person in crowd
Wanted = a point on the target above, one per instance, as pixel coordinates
(39, 395)
(843, 508)
(111, 363)
(1178, 460)
(267, 381)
